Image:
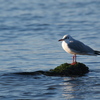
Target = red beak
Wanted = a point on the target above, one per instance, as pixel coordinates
(61, 40)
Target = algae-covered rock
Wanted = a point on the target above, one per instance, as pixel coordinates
(66, 69)
(79, 69)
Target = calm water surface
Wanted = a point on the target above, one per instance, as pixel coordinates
(29, 34)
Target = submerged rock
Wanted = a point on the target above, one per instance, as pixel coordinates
(79, 69)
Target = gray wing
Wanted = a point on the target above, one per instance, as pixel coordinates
(80, 48)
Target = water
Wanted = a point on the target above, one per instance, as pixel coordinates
(29, 34)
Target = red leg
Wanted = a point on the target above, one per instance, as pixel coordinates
(75, 57)
(74, 60)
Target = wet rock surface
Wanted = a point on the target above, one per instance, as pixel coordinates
(79, 69)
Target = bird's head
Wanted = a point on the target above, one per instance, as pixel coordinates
(66, 38)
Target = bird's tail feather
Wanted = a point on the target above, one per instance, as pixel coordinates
(97, 52)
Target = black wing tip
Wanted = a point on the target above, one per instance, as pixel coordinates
(97, 52)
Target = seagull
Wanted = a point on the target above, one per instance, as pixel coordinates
(75, 47)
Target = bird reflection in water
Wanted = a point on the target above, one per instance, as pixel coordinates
(72, 89)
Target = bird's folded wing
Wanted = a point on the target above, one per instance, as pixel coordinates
(80, 48)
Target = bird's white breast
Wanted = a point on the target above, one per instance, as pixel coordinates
(66, 48)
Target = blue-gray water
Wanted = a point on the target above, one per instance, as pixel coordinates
(29, 34)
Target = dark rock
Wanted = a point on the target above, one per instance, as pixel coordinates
(79, 69)
(30, 73)
(66, 69)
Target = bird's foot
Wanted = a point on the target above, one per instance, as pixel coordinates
(73, 63)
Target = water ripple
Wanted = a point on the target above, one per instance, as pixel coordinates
(29, 34)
